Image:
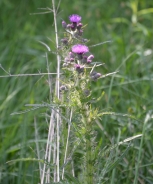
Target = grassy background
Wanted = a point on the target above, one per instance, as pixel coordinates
(130, 92)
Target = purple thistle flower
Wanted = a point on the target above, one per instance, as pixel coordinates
(80, 49)
(74, 18)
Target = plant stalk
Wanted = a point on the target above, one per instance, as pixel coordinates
(89, 167)
(57, 175)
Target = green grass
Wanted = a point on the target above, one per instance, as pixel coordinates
(129, 92)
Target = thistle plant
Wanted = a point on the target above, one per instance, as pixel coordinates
(72, 151)
(71, 124)
(78, 115)
(76, 90)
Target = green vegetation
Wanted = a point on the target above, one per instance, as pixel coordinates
(128, 25)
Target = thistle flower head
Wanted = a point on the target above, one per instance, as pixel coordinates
(74, 18)
(80, 49)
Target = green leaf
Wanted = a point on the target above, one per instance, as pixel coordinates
(25, 159)
(120, 20)
(145, 11)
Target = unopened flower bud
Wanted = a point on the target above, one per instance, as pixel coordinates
(84, 59)
(79, 25)
(63, 88)
(89, 59)
(79, 68)
(64, 25)
(64, 41)
(86, 92)
(95, 75)
(71, 54)
(66, 63)
(67, 59)
(84, 40)
(73, 27)
(68, 26)
(80, 32)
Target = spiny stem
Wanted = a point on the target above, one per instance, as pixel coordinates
(89, 168)
(89, 164)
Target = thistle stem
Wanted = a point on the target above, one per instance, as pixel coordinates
(89, 168)
(89, 165)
